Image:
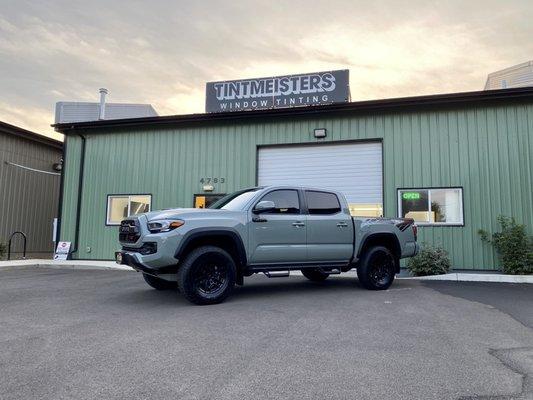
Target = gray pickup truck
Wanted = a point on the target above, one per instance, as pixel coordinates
(204, 252)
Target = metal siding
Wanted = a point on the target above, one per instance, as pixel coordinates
(28, 199)
(485, 149)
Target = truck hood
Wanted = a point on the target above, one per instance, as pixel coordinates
(178, 213)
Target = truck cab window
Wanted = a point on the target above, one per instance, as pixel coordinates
(286, 201)
(322, 202)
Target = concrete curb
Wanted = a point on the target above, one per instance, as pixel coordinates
(469, 277)
(111, 265)
(65, 264)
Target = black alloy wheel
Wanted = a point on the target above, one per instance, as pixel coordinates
(207, 275)
(381, 268)
(377, 268)
(210, 277)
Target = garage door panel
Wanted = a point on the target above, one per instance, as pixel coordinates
(352, 168)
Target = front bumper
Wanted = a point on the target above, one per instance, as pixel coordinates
(163, 244)
(133, 260)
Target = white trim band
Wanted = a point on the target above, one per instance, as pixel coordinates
(32, 169)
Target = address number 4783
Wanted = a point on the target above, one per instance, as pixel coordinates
(212, 180)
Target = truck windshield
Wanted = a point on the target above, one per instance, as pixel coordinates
(234, 201)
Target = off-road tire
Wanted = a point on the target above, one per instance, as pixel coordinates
(158, 283)
(377, 268)
(207, 275)
(315, 274)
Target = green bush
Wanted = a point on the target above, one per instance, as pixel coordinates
(431, 260)
(513, 245)
(3, 248)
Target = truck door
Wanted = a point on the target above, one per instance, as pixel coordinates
(279, 236)
(329, 228)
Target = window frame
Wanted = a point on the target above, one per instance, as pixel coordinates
(305, 191)
(301, 204)
(129, 196)
(429, 189)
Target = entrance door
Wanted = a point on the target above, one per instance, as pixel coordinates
(279, 235)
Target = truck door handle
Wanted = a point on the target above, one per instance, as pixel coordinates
(298, 224)
(342, 224)
(259, 219)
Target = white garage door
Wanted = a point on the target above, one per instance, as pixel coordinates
(355, 169)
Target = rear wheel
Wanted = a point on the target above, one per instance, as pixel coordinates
(158, 283)
(315, 274)
(377, 268)
(207, 275)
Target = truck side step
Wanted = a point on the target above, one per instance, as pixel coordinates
(332, 271)
(277, 274)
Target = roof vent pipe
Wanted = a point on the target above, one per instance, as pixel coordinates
(103, 92)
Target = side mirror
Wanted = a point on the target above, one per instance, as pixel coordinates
(264, 206)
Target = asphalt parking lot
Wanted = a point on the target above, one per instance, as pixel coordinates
(70, 334)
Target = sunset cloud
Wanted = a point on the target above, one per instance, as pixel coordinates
(163, 52)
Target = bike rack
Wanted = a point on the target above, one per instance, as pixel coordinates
(9, 245)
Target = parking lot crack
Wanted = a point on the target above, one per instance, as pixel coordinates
(520, 361)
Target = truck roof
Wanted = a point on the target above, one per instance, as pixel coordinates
(297, 187)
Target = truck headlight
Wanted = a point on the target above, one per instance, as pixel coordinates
(164, 225)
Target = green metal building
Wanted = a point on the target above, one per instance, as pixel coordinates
(453, 162)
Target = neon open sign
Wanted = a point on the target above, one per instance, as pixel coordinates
(411, 196)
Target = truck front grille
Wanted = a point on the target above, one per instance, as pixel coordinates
(129, 231)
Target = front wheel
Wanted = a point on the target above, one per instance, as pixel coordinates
(377, 268)
(158, 283)
(207, 275)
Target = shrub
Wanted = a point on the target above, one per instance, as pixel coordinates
(513, 245)
(431, 260)
(3, 248)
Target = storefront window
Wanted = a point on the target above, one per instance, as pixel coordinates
(123, 206)
(443, 206)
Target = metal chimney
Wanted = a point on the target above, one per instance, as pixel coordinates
(103, 92)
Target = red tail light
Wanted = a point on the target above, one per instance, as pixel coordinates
(415, 231)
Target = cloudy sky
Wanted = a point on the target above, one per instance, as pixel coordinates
(163, 51)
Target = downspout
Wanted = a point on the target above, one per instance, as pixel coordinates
(80, 194)
(61, 188)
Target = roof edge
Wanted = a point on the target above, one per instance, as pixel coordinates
(30, 135)
(511, 68)
(366, 105)
(107, 103)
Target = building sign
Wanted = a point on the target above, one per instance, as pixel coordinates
(278, 92)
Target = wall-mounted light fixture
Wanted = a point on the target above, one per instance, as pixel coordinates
(320, 133)
(58, 166)
(208, 188)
